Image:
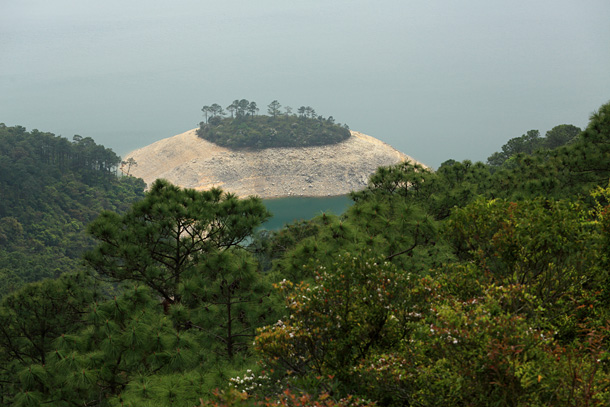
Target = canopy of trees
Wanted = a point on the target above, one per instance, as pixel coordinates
(245, 129)
(531, 142)
(474, 285)
(50, 188)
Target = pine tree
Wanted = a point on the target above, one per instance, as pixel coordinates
(130, 354)
(228, 300)
(160, 241)
(31, 319)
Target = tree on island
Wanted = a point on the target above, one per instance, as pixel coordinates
(232, 108)
(206, 111)
(252, 108)
(307, 111)
(242, 108)
(274, 108)
(217, 110)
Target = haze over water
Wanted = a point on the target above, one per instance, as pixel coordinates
(435, 79)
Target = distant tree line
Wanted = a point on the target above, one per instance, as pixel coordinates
(531, 142)
(242, 127)
(46, 148)
(50, 188)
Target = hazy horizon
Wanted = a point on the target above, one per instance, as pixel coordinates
(435, 79)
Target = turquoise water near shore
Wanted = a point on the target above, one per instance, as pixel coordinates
(287, 210)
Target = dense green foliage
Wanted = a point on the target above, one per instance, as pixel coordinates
(192, 299)
(531, 142)
(470, 286)
(50, 188)
(245, 129)
(185, 246)
(498, 294)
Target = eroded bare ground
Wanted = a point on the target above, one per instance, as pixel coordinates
(189, 161)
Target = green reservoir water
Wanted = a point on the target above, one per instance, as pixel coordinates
(287, 210)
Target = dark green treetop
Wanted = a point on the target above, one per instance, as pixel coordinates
(160, 241)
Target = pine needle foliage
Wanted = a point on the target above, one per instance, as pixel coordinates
(161, 239)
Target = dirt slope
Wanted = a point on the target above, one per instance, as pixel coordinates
(189, 161)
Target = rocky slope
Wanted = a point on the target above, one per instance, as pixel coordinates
(189, 161)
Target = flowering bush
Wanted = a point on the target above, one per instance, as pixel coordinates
(250, 381)
(362, 305)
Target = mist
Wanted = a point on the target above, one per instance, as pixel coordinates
(435, 79)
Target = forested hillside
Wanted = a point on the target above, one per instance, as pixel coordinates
(50, 188)
(475, 285)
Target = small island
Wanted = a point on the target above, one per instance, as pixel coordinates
(245, 129)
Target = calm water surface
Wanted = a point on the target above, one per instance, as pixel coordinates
(287, 210)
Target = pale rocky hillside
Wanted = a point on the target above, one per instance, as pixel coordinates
(189, 161)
